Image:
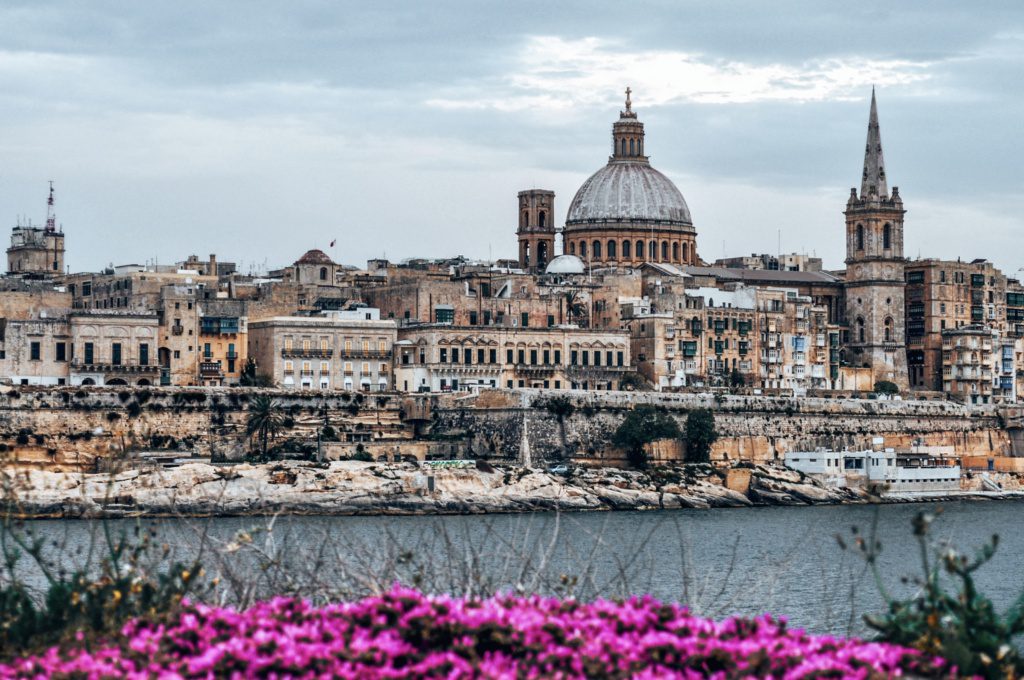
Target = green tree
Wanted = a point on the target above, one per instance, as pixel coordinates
(700, 435)
(561, 407)
(886, 387)
(265, 420)
(737, 379)
(643, 425)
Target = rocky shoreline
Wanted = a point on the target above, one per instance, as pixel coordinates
(355, 488)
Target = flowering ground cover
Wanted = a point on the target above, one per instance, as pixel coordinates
(404, 633)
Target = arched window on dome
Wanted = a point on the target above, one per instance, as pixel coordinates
(525, 220)
(664, 251)
(623, 147)
(652, 251)
(625, 250)
(596, 250)
(887, 236)
(583, 249)
(323, 273)
(610, 252)
(860, 237)
(639, 252)
(631, 150)
(542, 219)
(686, 252)
(675, 251)
(572, 248)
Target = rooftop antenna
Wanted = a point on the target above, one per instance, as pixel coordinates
(51, 217)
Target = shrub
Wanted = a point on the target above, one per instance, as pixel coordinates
(124, 396)
(644, 424)
(142, 396)
(39, 439)
(97, 602)
(962, 626)
(700, 435)
(886, 387)
(22, 438)
(134, 409)
(113, 417)
(328, 434)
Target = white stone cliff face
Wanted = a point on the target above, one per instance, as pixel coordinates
(348, 487)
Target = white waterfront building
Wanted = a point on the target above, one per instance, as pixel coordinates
(895, 473)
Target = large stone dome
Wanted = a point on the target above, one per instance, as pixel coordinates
(629, 191)
(627, 213)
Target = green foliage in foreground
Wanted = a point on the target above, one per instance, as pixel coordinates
(947, 616)
(96, 603)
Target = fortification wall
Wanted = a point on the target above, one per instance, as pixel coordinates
(752, 428)
(69, 428)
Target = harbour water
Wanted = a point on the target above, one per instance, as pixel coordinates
(781, 560)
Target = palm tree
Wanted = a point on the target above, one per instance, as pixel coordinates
(575, 307)
(265, 420)
(561, 407)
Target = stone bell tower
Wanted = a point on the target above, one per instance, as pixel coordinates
(536, 229)
(874, 268)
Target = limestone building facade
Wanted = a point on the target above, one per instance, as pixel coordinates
(443, 358)
(113, 348)
(337, 351)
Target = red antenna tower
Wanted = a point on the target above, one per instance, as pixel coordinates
(51, 217)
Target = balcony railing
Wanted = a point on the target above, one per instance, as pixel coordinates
(177, 329)
(208, 369)
(93, 367)
(366, 353)
(298, 352)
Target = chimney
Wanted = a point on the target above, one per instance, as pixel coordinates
(211, 269)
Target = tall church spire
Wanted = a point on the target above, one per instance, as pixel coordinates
(873, 184)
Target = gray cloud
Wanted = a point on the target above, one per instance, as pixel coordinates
(258, 129)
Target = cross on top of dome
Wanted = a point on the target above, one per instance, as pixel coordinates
(628, 113)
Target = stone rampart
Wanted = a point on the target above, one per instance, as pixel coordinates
(69, 428)
(751, 427)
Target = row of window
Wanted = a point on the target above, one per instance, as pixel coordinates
(532, 357)
(364, 344)
(325, 368)
(64, 351)
(611, 250)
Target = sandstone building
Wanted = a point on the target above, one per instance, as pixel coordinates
(340, 350)
(441, 358)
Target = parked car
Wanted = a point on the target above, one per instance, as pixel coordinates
(559, 469)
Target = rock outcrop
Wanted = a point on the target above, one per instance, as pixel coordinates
(350, 487)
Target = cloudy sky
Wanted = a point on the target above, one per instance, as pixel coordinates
(257, 130)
